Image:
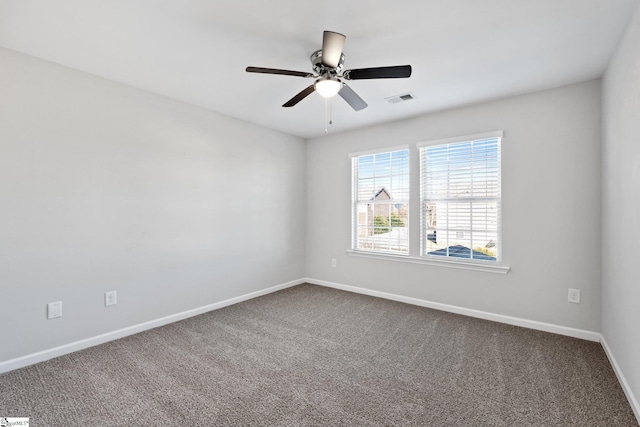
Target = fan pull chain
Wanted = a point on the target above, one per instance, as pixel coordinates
(327, 114)
(330, 118)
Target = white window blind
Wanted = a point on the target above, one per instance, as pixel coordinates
(461, 197)
(380, 202)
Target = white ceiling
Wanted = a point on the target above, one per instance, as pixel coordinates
(462, 51)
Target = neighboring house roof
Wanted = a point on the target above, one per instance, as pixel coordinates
(381, 192)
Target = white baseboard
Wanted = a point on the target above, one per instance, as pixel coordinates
(516, 321)
(621, 379)
(41, 356)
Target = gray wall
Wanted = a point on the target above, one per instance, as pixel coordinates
(105, 187)
(551, 208)
(621, 205)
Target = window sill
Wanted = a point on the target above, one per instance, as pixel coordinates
(463, 265)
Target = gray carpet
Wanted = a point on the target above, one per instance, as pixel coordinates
(313, 356)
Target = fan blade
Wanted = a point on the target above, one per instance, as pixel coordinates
(299, 97)
(352, 98)
(395, 72)
(332, 45)
(277, 71)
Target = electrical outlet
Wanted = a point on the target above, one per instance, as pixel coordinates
(334, 263)
(110, 298)
(54, 310)
(574, 296)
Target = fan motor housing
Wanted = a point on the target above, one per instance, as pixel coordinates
(320, 68)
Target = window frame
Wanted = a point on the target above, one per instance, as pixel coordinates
(355, 202)
(422, 146)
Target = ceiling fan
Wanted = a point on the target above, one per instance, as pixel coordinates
(328, 63)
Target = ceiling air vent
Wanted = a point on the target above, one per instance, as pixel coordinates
(400, 98)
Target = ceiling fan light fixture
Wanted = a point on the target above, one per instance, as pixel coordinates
(327, 64)
(327, 87)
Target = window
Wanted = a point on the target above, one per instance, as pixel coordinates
(460, 197)
(380, 201)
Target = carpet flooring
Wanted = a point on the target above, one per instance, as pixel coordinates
(314, 356)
